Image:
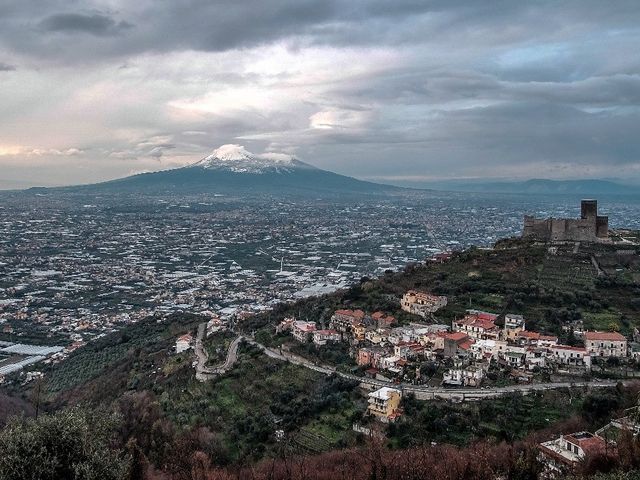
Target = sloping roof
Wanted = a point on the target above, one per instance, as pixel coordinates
(608, 336)
(359, 314)
(591, 444)
(466, 345)
(479, 321)
(326, 332)
(567, 347)
(529, 334)
(456, 336)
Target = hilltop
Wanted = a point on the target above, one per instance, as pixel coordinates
(550, 286)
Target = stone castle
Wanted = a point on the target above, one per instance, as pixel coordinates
(590, 227)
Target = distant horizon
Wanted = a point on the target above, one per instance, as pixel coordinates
(420, 183)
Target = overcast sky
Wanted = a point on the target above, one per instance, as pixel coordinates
(386, 90)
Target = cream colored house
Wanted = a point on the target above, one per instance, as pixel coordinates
(422, 303)
(606, 344)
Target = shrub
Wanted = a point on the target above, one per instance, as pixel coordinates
(73, 444)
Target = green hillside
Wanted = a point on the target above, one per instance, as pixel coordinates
(550, 286)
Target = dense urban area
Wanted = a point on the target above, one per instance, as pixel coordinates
(350, 316)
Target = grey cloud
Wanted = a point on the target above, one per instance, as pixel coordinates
(469, 85)
(168, 25)
(95, 24)
(5, 67)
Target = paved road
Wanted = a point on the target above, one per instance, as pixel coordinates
(423, 392)
(203, 372)
(232, 356)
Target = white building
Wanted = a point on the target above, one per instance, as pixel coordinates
(514, 322)
(322, 337)
(470, 376)
(487, 349)
(571, 356)
(184, 343)
(563, 454)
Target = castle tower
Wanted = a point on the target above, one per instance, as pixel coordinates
(589, 209)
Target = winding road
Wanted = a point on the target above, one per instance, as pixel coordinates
(422, 392)
(203, 372)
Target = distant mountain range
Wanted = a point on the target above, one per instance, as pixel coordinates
(538, 187)
(233, 170)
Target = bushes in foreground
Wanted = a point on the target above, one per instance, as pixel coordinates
(73, 444)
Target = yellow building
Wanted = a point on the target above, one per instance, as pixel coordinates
(384, 404)
(359, 331)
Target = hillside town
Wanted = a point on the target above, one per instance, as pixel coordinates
(463, 352)
(467, 350)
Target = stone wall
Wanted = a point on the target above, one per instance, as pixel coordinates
(589, 228)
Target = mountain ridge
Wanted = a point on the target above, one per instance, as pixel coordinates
(535, 186)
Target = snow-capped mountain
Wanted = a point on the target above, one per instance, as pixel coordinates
(236, 158)
(232, 170)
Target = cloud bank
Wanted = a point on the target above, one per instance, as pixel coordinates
(374, 89)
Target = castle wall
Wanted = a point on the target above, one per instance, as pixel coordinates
(537, 228)
(589, 228)
(558, 229)
(602, 226)
(581, 230)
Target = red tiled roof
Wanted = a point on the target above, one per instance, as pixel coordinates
(466, 344)
(486, 324)
(550, 338)
(609, 336)
(528, 334)
(567, 347)
(478, 321)
(327, 332)
(456, 336)
(591, 445)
